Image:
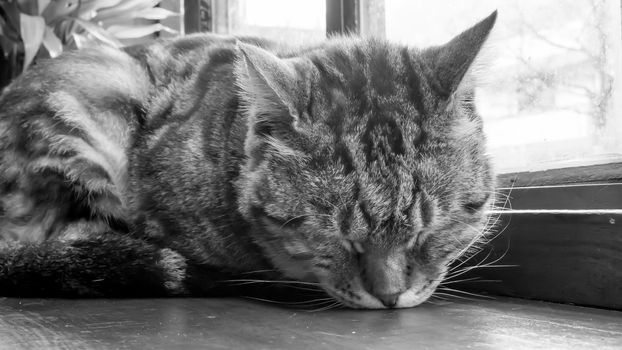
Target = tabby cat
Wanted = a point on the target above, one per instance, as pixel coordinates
(172, 167)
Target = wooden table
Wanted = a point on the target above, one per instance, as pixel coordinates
(246, 324)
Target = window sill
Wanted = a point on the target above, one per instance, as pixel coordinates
(240, 324)
(561, 232)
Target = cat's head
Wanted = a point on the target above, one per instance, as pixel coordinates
(366, 167)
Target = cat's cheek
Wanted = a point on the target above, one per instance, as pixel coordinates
(413, 297)
(421, 289)
(298, 271)
(350, 293)
(293, 260)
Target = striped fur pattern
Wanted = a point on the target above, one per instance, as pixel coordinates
(168, 168)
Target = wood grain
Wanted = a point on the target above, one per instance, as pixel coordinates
(240, 324)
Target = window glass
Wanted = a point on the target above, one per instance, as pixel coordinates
(295, 21)
(550, 94)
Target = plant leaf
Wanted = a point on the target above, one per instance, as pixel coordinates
(64, 28)
(89, 8)
(9, 20)
(42, 4)
(155, 13)
(137, 31)
(81, 41)
(123, 8)
(32, 29)
(52, 43)
(98, 32)
(27, 6)
(58, 9)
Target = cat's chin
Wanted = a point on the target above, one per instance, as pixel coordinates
(364, 301)
(359, 298)
(408, 299)
(413, 297)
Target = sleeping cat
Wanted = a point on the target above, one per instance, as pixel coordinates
(169, 168)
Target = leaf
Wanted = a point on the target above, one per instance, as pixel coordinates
(89, 8)
(64, 28)
(123, 8)
(42, 4)
(155, 13)
(32, 29)
(137, 31)
(81, 40)
(52, 43)
(9, 20)
(58, 9)
(27, 6)
(98, 32)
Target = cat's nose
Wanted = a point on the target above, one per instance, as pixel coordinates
(384, 275)
(389, 300)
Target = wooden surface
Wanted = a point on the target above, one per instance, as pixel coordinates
(573, 197)
(557, 257)
(611, 172)
(242, 324)
(565, 242)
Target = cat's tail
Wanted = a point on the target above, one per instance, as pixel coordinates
(108, 264)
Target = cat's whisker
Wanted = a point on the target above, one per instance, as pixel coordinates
(434, 296)
(480, 263)
(473, 241)
(438, 300)
(476, 280)
(456, 271)
(436, 303)
(447, 289)
(304, 216)
(448, 281)
(331, 306)
(470, 268)
(257, 271)
(507, 249)
(497, 194)
(450, 296)
(453, 268)
(242, 281)
(481, 267)
(292, 286)
(314, 302)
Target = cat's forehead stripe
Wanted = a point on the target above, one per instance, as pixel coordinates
(382, 138)
(413, 82)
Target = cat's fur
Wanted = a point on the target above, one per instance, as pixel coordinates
(168, 168)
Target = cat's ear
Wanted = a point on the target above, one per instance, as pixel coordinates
(269, 90)
(267, 83)
(450, 64)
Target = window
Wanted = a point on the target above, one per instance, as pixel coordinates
(297, 21)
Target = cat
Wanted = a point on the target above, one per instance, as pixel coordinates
(180, 166)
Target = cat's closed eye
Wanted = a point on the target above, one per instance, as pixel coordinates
(289, 222)
(476, 205)
(417, 239)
